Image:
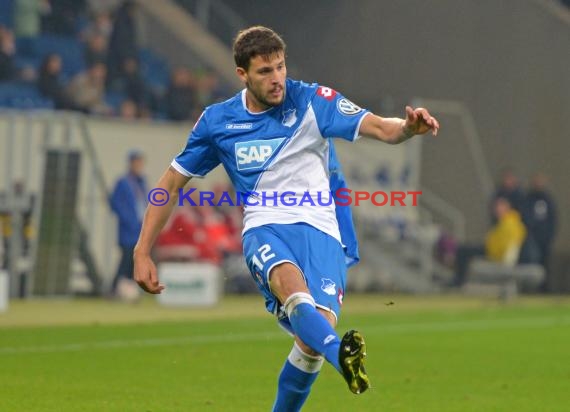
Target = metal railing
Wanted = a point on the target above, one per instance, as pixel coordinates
(27, 136)
(209, 11)
(433, 203)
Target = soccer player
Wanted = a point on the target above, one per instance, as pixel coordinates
(275, 137)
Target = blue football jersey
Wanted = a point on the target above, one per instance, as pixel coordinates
(286, 149)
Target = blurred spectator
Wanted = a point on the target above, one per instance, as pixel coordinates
(128, 201)
(232, 214)
(202, 233)
(180, 99)
(123, 43)
(27, 23)
(7, 53)
(99, 6)
(446, 249)
(17, 230)
(502, 243)
(131, 83)
(25, 201)
(505, 239)
(178, 241)
(101, 25)
(542, 217)
(217, 239)
(128, 110)
(95, 50)
(87, 90)
(210, 89)
(63, 16)
(49, 83)
(510, 189)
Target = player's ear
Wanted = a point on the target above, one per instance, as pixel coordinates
(242, 74)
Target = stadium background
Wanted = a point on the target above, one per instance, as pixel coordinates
(494, 73)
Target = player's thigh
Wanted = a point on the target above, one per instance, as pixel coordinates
(266, 254)
(325, 271)
(286, 279)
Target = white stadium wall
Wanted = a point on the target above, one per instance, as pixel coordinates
(32, 133)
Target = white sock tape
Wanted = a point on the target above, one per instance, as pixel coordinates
(296, 299)
(305, 362)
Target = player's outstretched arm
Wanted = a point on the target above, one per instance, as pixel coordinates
(395, 130)
(154, 220)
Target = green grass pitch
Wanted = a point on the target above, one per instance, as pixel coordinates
(424, 354)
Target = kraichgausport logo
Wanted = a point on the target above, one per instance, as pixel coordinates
(255, 153)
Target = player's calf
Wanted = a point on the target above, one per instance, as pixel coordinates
(297, 376)
(312, 327)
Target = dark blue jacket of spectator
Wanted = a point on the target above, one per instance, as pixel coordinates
(128, 201)
(541, 222)
(64, 16)
(7, 69)
(122, 43)
(180, 103)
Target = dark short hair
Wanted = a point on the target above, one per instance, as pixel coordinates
(256, 41)
(135, 154)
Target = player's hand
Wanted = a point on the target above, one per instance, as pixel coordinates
(145, 274)
(419, 121)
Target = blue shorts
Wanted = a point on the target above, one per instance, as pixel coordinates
(319, 257)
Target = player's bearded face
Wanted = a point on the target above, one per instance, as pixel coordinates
(265, 80)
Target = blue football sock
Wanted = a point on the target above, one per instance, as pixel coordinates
(312, 327)
(297, 376)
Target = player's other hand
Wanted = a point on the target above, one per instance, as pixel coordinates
(419, 121)
(145, 274)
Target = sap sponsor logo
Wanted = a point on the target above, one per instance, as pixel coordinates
(239, 126)
(289, 117)
(345, 106)
(326, 92)
(254, 154)
(328, 286)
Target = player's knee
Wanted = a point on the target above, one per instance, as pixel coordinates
(329, 316)
(296, 299)
(306, 349)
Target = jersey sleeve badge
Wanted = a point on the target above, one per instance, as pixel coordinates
(326, 92)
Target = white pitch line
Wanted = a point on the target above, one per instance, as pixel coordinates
(476, 324)
(127, 343)
(473, 325)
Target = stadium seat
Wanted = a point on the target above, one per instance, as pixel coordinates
(154, 70)
(27, 61)
(507, 279)
(115, 99)
(17, 95)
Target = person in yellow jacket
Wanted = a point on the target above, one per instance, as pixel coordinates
(504, 240)
(502, 243)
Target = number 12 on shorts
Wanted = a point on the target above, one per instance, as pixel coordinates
(265, 254)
